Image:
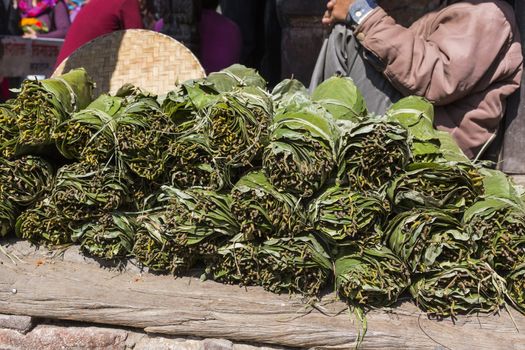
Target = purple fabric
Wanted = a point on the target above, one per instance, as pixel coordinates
(221, 41)
(56, 19)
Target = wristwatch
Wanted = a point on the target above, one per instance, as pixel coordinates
(359, 10)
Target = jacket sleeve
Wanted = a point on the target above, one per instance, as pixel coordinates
(130, 15)
(61, 23)
(445, 65)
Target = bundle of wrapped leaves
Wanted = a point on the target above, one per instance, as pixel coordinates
(424, 239)
(459, 288)
(372, 153)
(44, 224)
(8, 131)
(341, 98)
(84, 191)
(187, 226)
(109, 237)
(452, 187)
(341, 215)
(263, 212)
(43, 105)
(25, 180)
(499, 227)
(301, 155)
(91, 135)
(237, 125)
(371, 276)
(144, 133)
(284, 265)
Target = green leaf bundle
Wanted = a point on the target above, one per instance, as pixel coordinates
(341, 215)
(84, 191)
(144, 134)
(90, 135)
(190, 226)
(8, 215)
(8, 131)
(236, 76)
(459, 288)
(451, 187)
(44, 225)
(286, 265)
(424, 239)
(43, 105)
(108, 237)
(372, 153)
(263, 212)
(499, 226)
(301, 155)
(340, 96)
(25, 180)
(516, 287)
(237, 126)
(373, 277)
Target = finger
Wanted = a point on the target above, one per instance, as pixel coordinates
(330, 5)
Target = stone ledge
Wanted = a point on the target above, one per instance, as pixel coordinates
(67, 336)
(22, 324)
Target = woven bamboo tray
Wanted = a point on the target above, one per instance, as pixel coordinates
(150, 60)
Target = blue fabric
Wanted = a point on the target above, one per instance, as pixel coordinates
(359, 10)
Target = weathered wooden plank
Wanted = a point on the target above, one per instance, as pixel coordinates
(71, 287)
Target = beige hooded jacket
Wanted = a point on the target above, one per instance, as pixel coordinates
(465, 57)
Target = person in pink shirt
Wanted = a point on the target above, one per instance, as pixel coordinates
(100, 17)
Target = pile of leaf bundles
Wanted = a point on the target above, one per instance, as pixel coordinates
(499, 225)
(516, 287)
(190, 225)
(285, 265)
(341, 215)
(43, 105)
(451, 187)
(8, 131)
(301, 155)
(191, 164)
(144, 134)
(340, 96)
(84, 191)
(25, 180)
(372, 153)
(43, 224)
(263, 212)
(237, 126)
(236, 76)
(371, 277)
(424, 239)
(8, 216)
(91, 134)
(109, 237)
(459, 288)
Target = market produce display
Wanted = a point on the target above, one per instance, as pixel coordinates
(292, 192)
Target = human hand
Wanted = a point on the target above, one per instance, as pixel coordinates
(29, 34)
(336, 11)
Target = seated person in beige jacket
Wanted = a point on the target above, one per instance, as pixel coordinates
(464, 56)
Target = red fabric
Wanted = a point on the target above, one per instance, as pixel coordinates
(4, 89)
(100, 17)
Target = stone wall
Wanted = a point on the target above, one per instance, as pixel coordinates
(26, 333)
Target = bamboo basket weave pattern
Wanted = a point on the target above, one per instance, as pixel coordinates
(148, 59)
